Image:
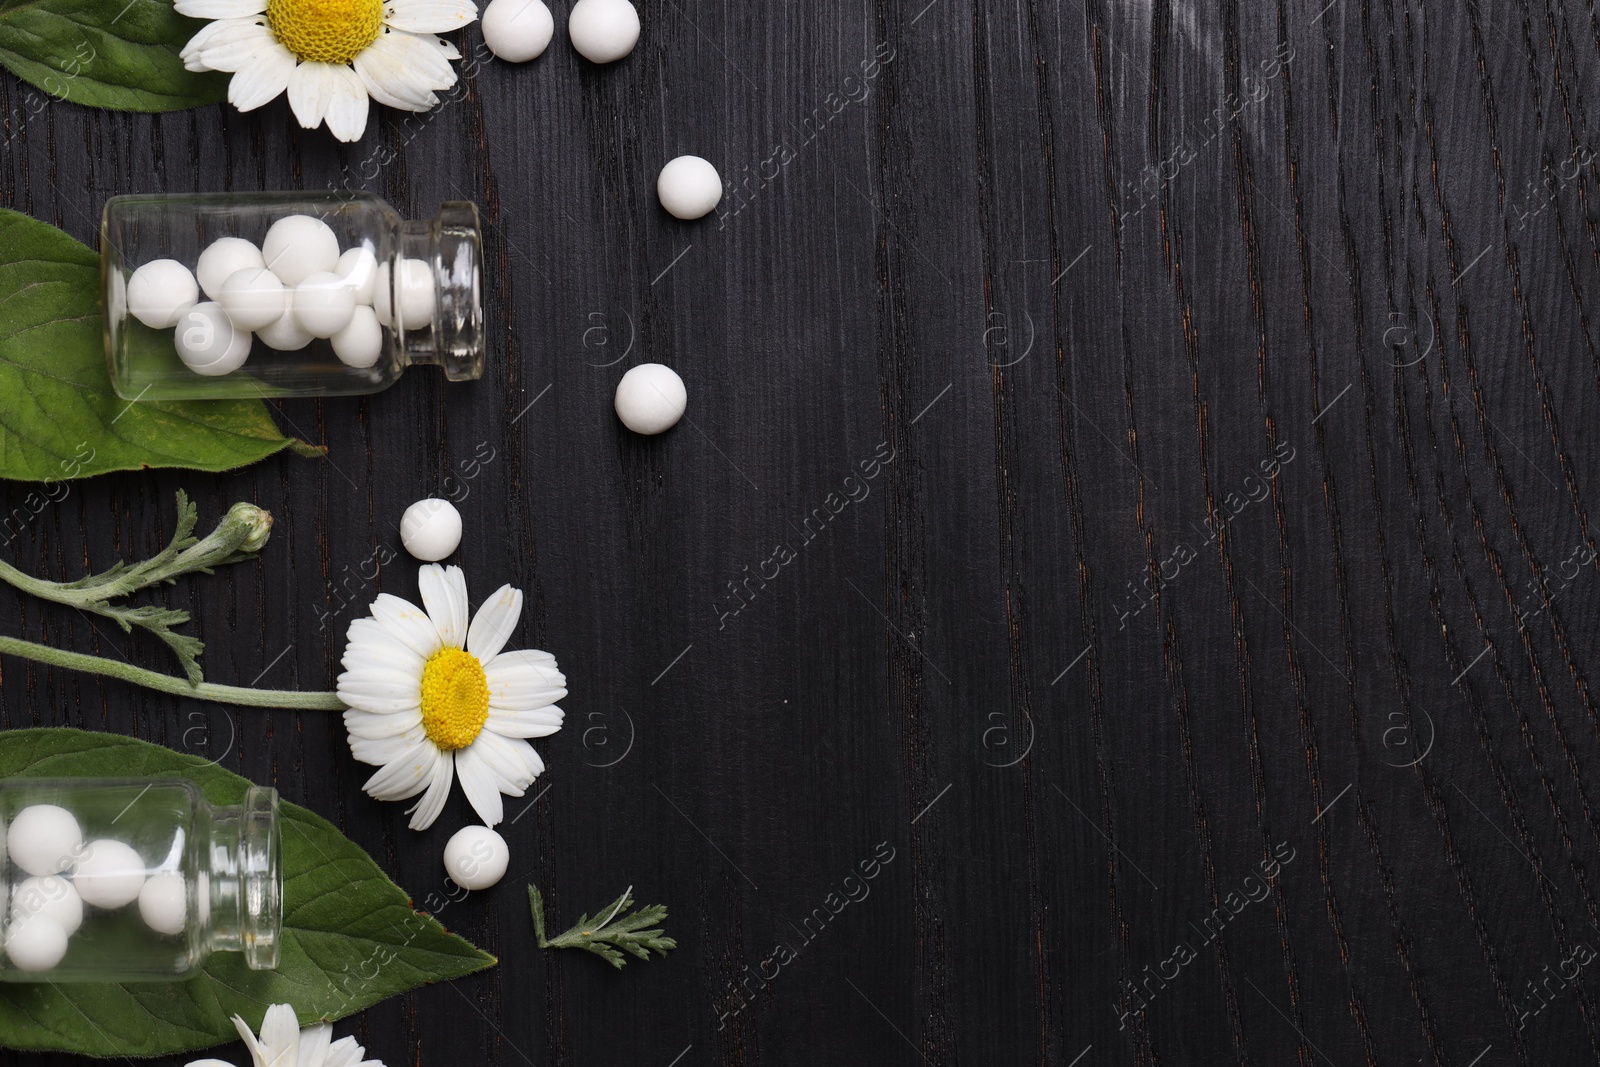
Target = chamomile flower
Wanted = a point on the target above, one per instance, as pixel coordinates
(432, 698)
(283, 1044)
(331, 56)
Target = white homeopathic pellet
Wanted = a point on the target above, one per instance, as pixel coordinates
(36, 943)
(164, 903)
(109, 874)
(603, 31)
(44, 839)
(324, 303)
(224, 258)
(50, 895)
(360, 267)
(476, 857)
(360, 343)
(689, 187)
(416, 295)
(160, 292)
(651, 399)
(253, 298)
(285, 335)
(298, 246)
(517, 30)
(431, 529)
(207, 341)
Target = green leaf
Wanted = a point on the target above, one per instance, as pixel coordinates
(602, 936)
(350, 937)
(59, 418)
(119, 54)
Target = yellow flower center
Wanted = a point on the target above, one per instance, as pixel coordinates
(455, 699)
(325, 31)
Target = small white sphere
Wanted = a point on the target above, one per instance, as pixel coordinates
(361, 342)
(109, 875)
(160, 292)
(651, 399)
(517, 30)
(164, 903)
(324, 304)
(224, 258)
(253, 298)
(359, 267)
(36, 943)
(383, 296)
(603, 31)
(689, 187)
(431, 529)
(44, 839)
(476, 857)
(285, 335)
(208, 343)
(416, 295)
(51, 895)
(298, 246)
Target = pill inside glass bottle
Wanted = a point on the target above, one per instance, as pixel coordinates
(285, 294)
(135, 880)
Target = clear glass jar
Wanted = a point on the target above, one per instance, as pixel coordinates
(135, 880)
(352, 295)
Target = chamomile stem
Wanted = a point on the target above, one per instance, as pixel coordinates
(166, 683)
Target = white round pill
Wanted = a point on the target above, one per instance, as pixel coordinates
(298, 246)
(689, 187)
(164, 903)
(603, 31)
(36, 943)
(383, 296)
(109, 874)
(651, 399)
(51, 895)
(44, 839)
(476, 857)
(324, 303)
(517, 30)
(359, 267)
(361, 342)
(431, 529)
(285, 335)
(160, 292)
(416, 295)
(207, 341)
(222, 259)
(253, 298)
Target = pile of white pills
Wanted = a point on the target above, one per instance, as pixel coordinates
(297, 287)
(65, 873)
(602, 31)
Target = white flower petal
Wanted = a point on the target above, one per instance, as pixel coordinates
(280, 1037)
(314, 1041)
(428, 808)
(446, 49)
(219, 9)
(534, 722)
(408, 624)
(408, 776)
(515, 764)
(208, 1063)
(347, 110)
(430, 16)
(381, 751)
(344, 1052)
(371, 646)
(444, 594)
(377, 725)
(522, 681)
(478, 782)
(226, 37)
(420, 55)
(310, 90)
(389, 82)
(262, 80)
(494, 623)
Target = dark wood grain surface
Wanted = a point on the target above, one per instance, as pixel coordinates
(1228, 379)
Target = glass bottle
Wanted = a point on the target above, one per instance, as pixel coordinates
(412, 292)
(130, 880)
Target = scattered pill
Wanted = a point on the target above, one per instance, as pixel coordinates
(44, 839)
(360, 343)
(160, 292)
(207, 341)
(51, 895)
(109, 874)
(689, 187)
(222, 259)
(431, 529)
(36, 943)
(324, 303)
(253, 298)
(164, 903)
(651, 399)
(416, 295)
(285, 335)
(359, 267)
(603, 31)
(298, 246)
(517, 30)
(476, 857)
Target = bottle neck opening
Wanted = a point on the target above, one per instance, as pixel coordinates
(440, 283)
(243, 898)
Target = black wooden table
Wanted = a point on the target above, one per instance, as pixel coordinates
(1205, 664)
